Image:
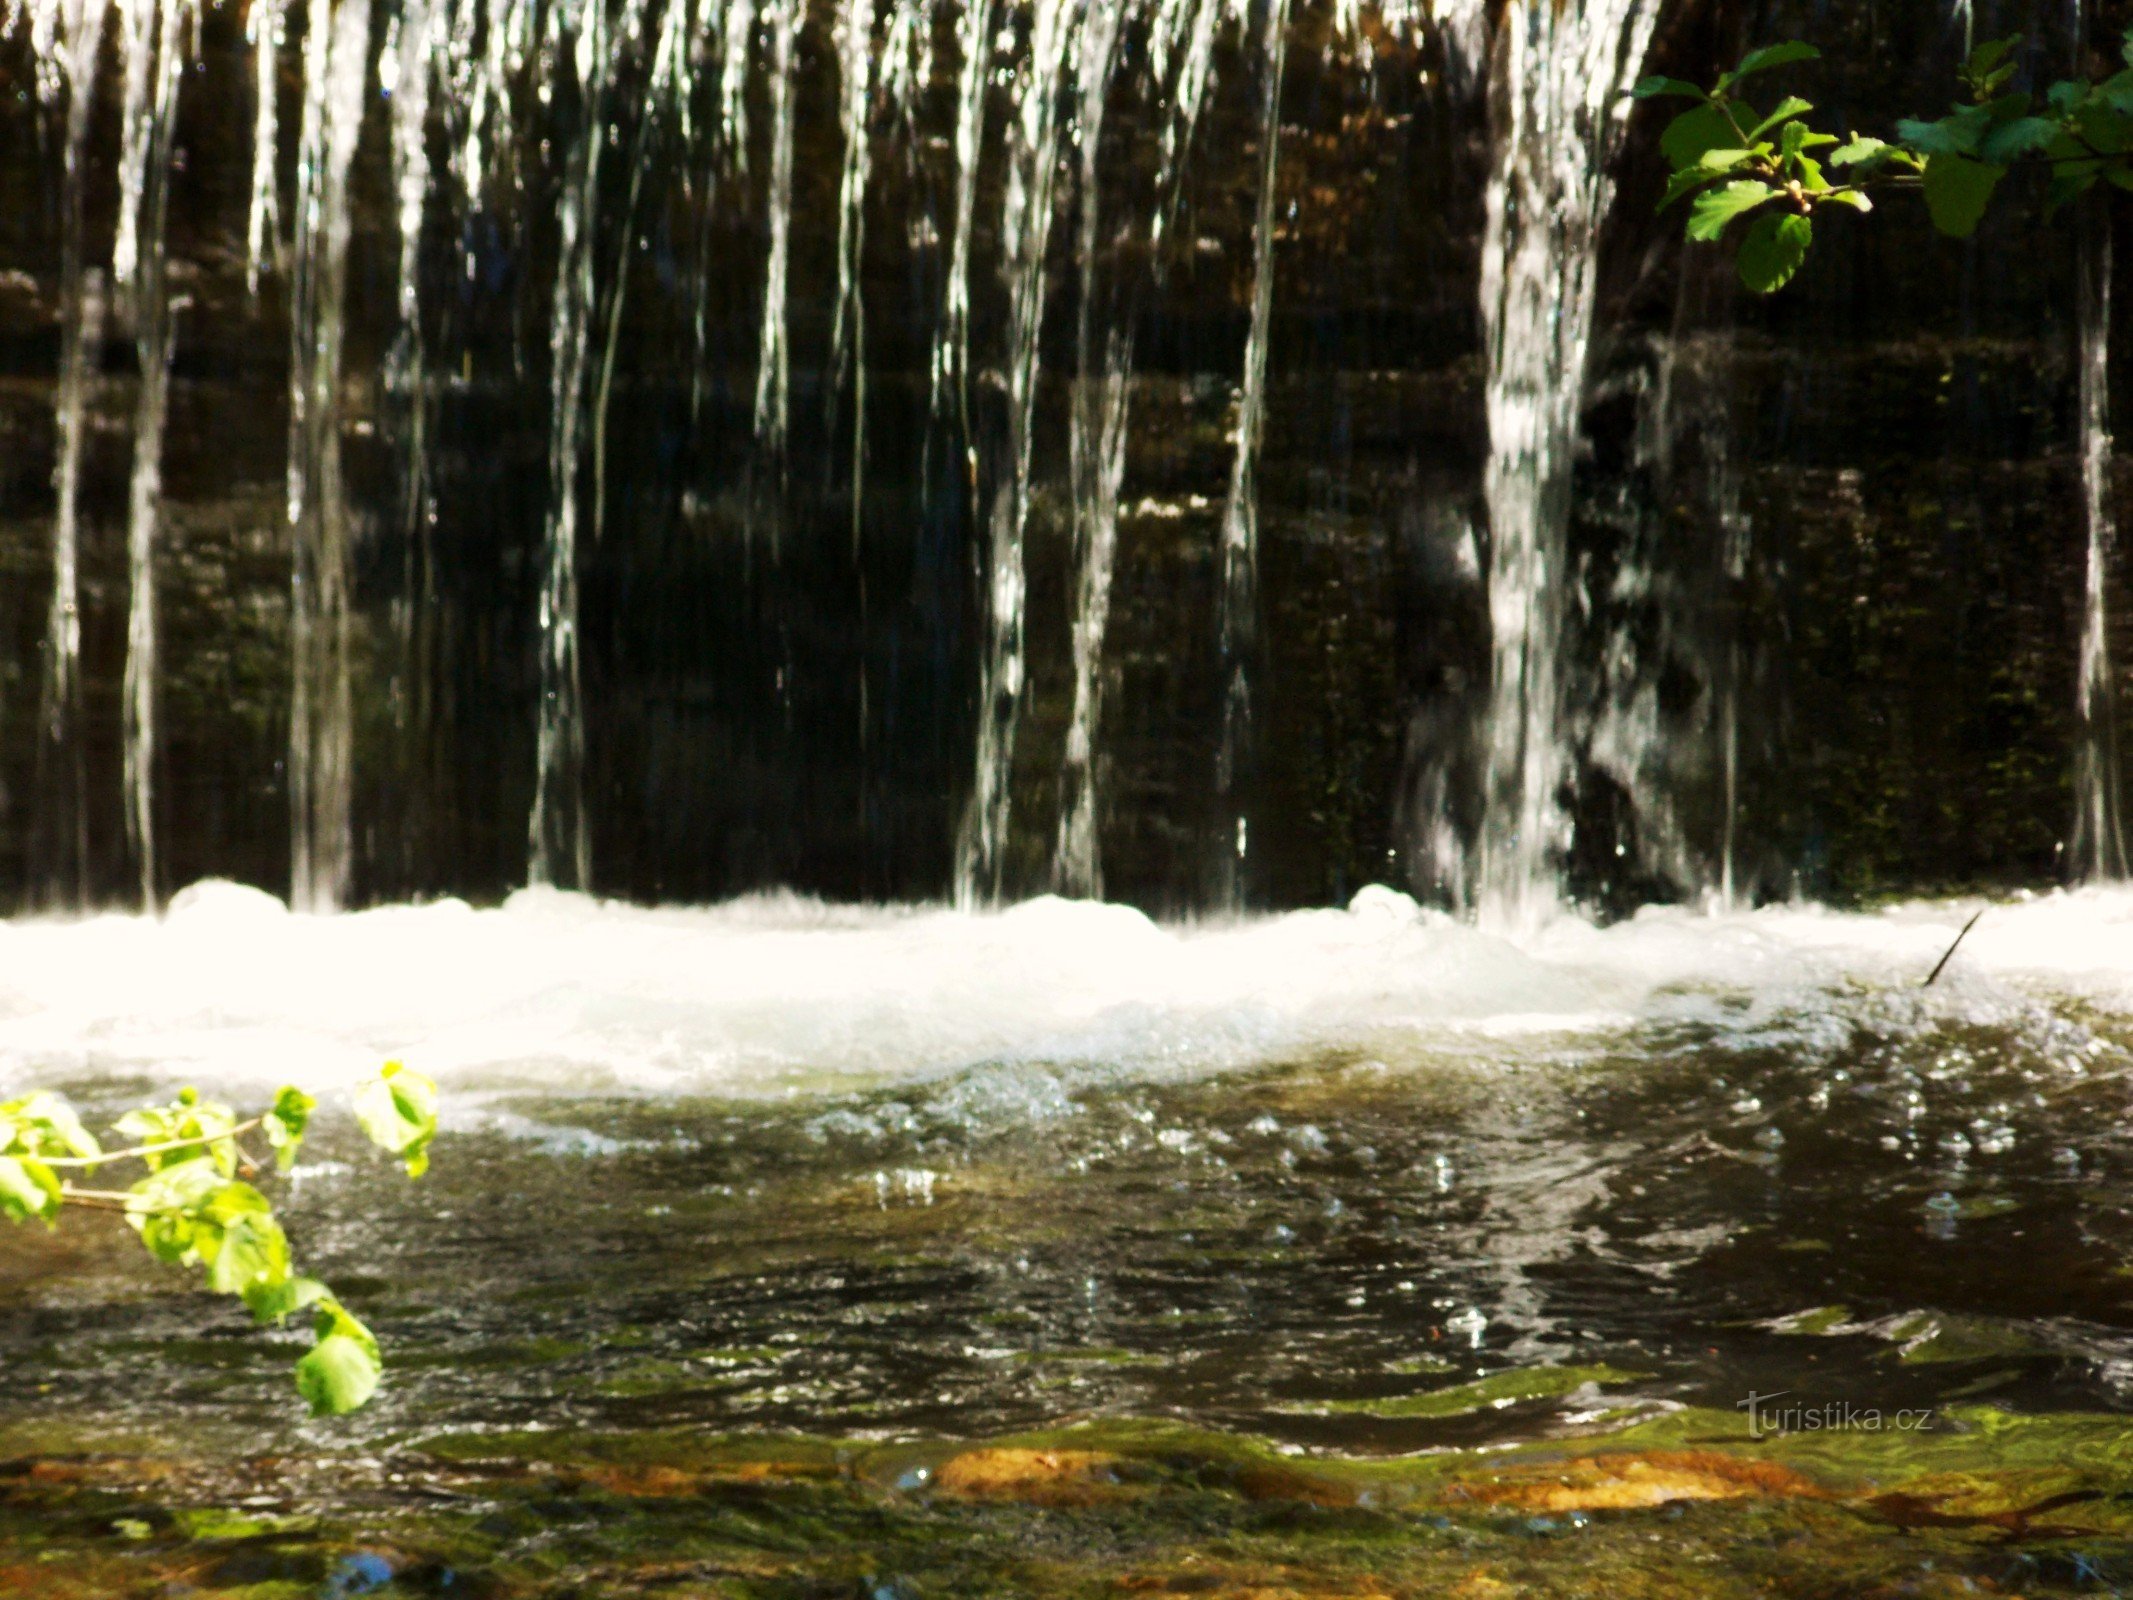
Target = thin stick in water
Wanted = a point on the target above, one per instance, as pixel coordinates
(1943, 961)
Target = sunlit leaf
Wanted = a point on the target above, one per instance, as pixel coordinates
(1788, 108)
(338, 1376)
(1773, 55)
(284, 1125)
(1772, 249)
(28, 1188)
(1714, 208)
(341, 1372)
(273, 1302)
(398, 1111)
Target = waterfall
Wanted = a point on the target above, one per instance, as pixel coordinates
(854, 32)
(1239, 622)
(560, 843)
(72, 45)
(154, 39)
(1556, 103)
(265, 30)
(2099, 826)
(321, 733)
(1025, 236)
(772, 364)
(951, 347)
(1096, 454)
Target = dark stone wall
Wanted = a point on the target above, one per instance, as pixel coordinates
(771, 703)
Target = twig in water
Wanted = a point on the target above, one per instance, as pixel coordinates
(1959, 938)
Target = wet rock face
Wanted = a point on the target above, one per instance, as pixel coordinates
(1827, 552)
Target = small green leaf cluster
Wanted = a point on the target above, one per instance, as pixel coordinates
(193, 1207)
(1733, 161)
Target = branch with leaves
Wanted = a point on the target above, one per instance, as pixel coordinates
(194, 1207)
(1733, 162)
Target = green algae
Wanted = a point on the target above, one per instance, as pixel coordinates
(1982, 1501)
(1497, 1390)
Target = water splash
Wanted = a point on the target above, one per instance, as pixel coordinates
(321, 732)
(1239, 622)
(1556, 102)
(2099, 825)
(1097, 460)
(1025, 236)
(73, 39)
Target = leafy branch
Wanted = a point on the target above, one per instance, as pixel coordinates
(193, 1207)
(1732, 161)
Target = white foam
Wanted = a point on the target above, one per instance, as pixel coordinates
(779, 994)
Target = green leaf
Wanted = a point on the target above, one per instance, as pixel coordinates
(338, 1376)
(2017, 138)
(1788, 108)
(1655, 88)
(1696, 130)
(2125, 48)
(2104, 128)
(398, 1110)
(1849, 197)
(2067, 187)
(28, 1188)
(1859, 151)
(1772, 249)
(1988, 56)
(44, 1125)
(284, 1125)
(1714, 208)
(341, 1372)
(236, 1236)
(1957, 192)
(1799, 138)
(274, 1302)
(1773, 55)
(1954, 135)
(166, 1209)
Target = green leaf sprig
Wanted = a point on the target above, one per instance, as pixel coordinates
(193, 1207)
(1733, 161)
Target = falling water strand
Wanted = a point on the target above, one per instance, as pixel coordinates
(772, 363)
(62, 781)
(951, 349)
(336, 67)
(712, 147)
(1556, 104)
(1187, 27)
(162, 33)
(848, 327)
(666, 101)
(1096, 458)
(1025, 236)
(854, 31)
(405, 72)
(2099, 828)
(1239, 601)
(561, 850)
(265, 29)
